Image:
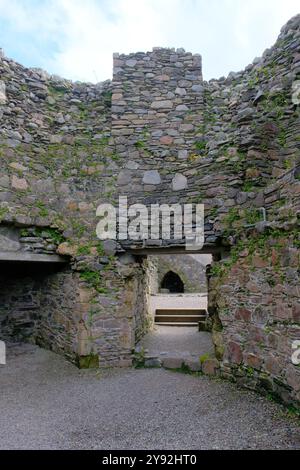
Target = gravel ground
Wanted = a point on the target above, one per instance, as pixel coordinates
(177, 342)
(46, 403)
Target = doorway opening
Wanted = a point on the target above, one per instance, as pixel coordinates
(36, 304)
(177, 306)
(172, 284)
(178, 289)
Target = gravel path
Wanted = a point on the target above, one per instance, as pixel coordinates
(46, 403)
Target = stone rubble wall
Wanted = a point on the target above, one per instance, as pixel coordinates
(257, 300)
(191, 272)
(56, 167)
(160, 134)
(234, 147)
(37, 306)
(238, 134)
(30, 240)
(157, 98)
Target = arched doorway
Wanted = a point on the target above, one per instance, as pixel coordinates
(173, 283)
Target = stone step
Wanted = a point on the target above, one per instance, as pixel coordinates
(172, 323)
(181, 311)
(179, 318)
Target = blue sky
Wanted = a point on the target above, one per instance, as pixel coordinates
(76, 38)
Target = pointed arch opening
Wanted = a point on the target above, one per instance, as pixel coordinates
(173, 283)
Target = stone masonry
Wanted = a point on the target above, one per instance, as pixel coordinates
(158, 133)
(188, 268)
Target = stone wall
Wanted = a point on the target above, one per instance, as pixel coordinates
(159, 133)
(37, 305)
(190, 270)
(257, 301)
(157, 105)
(20, 305)
(236, 150)
(237, 133)
(143, 318)
(29, 241)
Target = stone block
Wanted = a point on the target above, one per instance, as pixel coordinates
(296, 312)
(186, 128)
(272, 365)
(19, 184)
(180, 91)
(182, 108)
(163, 104)
(124, 178)
(124, 363)
(151, 177)
(183, 154)
(131, 63)
(234, 352)
(197, 88)
(193, 365)
(259, 262)
(166, 140)
(172, 362)
(152, 362)
(253, 361)
(243, 314)
(179, 182)
(109, 247)
(210, 367)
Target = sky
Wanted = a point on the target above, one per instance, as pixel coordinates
(76, 38)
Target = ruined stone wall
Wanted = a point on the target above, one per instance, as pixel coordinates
(257, 298)
(56, 167)
(157, 104)
(60, 312)
(158, 133)
(143, 319)
(20, 305)
(254, 299)
(232, 138)
(191, 272)
(254, 291)
(37, 305)
(233, 146)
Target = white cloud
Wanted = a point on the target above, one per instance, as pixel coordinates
(229, 33)
(93, 33)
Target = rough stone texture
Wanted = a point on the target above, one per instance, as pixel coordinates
(151, 177)
(179, 182)
(172, 363)
(242, 155)
(189, 269)
(257, 301)
(38, 305)
(67, 147)
(3, 97)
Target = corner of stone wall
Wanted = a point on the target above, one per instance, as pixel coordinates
(254, 299)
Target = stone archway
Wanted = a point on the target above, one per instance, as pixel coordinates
(172, 283)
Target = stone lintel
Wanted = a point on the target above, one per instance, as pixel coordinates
(31, 257)
(207, 249)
